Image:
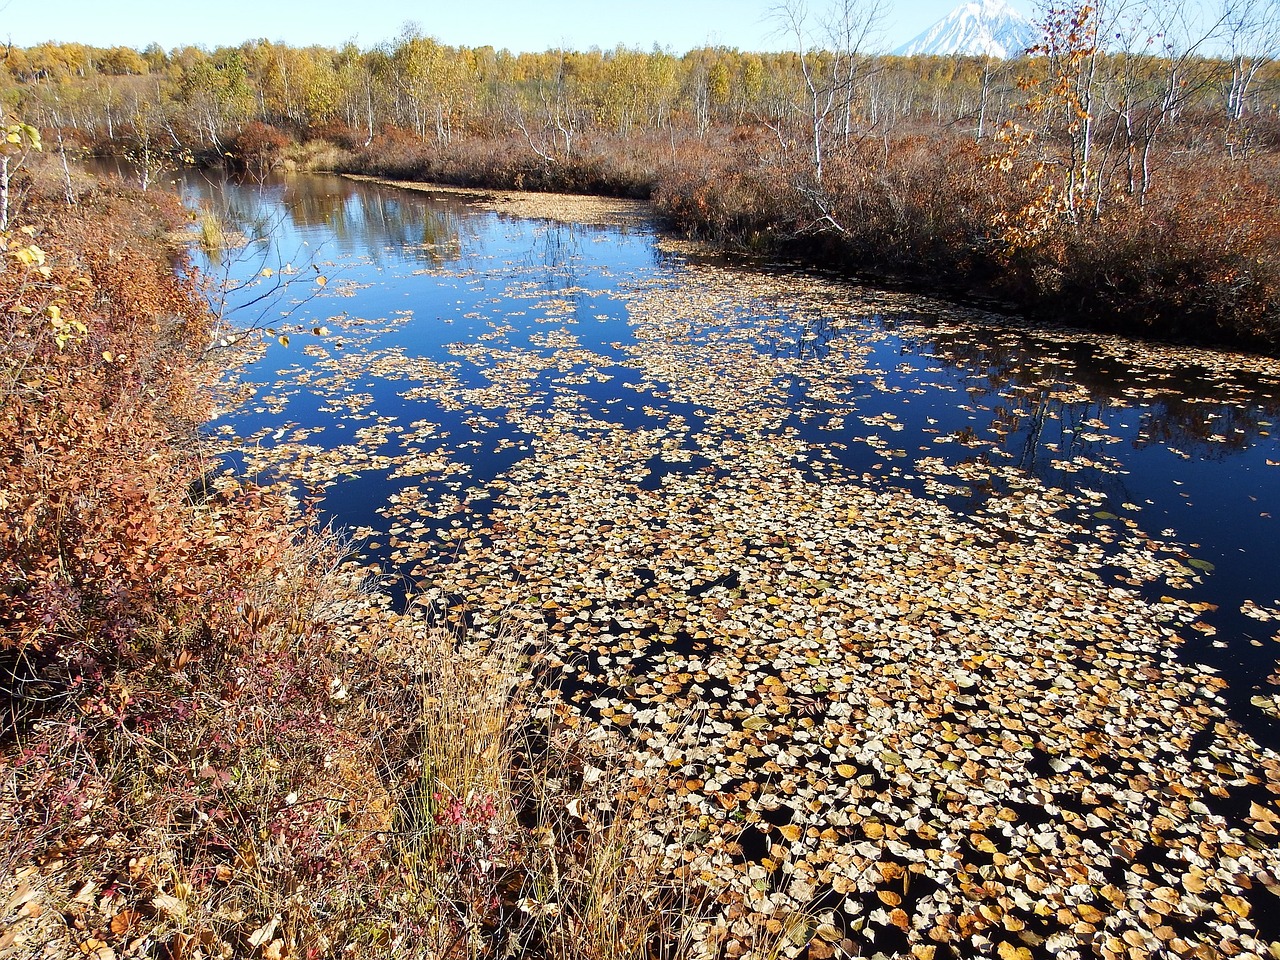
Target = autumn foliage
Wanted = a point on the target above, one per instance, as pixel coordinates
(150, 609)
(216, 738)
(1121, 174)
(104, 542)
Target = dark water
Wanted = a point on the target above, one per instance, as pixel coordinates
(1178, 446)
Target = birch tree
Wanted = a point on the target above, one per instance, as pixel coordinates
(830, 48)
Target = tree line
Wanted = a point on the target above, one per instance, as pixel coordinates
(1143, 67)
(1147, 130)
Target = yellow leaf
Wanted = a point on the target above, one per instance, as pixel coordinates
(791, 831)
(1236, 905)
(29, 256)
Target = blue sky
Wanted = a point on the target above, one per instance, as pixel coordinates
(515, 24)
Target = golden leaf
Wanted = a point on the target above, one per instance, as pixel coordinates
(1007, 951)
(1090, 913)
(124, 921)
(1236, 905)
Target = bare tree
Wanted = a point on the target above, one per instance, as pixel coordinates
(556, 113)
(1251, 32)
(830, 49)
(1155, 70)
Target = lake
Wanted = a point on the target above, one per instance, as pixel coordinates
(958, 633)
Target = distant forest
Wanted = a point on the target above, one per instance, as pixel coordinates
(1134, 189)
(200, 99)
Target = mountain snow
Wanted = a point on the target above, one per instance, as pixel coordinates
(981, 27)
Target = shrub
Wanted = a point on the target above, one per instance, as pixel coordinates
(257, 148)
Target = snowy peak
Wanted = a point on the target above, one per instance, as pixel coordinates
(979, 28)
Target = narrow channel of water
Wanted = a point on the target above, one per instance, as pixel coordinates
(807, 509)
(1183, 447)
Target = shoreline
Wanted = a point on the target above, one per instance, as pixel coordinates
(571, 208)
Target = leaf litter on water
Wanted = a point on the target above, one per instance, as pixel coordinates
(951, 729)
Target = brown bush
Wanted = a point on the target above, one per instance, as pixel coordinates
(169, 648)
(257, 148)
(1197, 260)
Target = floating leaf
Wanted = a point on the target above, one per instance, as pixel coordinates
(1236, 905)
(1008, 951)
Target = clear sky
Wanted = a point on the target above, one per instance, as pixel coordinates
(516, 24)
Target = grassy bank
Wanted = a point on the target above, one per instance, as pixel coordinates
(219, 739)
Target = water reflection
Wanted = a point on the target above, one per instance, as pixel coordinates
(527, 322)
(1204, 431)
(1181, 409)
(554, 256)
(375, 223)
(343, 217)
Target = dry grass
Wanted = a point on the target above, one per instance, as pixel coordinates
(421, 812)
(511, 835)
(313, 156)
(596, 882)
(211, 235)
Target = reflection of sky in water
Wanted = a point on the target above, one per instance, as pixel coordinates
(1188, 448)
(361, 238)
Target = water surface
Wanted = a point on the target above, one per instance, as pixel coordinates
(937, 587)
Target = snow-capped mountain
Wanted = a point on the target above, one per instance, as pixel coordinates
(981, 27)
